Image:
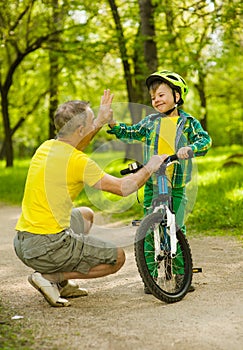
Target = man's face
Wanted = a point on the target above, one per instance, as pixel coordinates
(162, 98)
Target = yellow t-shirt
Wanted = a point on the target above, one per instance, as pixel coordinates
(56, 176)
(167, 135)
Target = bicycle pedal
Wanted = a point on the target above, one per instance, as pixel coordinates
(196, 269)
(136, 222)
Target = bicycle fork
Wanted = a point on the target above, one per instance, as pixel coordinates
(171, 224)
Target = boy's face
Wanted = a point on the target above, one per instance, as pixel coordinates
(162, 98)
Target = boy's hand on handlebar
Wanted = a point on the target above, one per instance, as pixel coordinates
(183, 152)
(155, 162)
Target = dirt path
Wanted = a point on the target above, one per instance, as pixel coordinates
(117, 315)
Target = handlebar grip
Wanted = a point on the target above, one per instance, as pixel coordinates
(171, 158)
(190, 153)
(132, 168)
(174, 157)
(125, 171)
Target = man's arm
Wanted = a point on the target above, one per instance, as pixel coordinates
(130, 183)
(104, 116)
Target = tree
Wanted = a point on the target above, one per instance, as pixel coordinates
(54, 64)
(142, 61)
(19, 38)
(51, 50)
(28, 27)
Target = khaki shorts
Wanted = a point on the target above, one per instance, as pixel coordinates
(67, 251)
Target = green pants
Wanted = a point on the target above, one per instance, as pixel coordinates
(179, 206)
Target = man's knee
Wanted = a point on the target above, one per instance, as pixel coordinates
(87, 213)
(121, 258)
(88, 218)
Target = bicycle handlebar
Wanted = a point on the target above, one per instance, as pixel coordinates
(134, 167)
(174, 157)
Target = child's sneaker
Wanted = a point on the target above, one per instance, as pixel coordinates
(179, 280)
(146, 290)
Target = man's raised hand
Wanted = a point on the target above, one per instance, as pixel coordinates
(105, 113)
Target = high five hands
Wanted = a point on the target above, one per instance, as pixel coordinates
(105, 113)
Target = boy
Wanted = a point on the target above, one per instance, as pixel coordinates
(170, 130)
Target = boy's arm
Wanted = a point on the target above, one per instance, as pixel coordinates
(199, 140)
(125, 132)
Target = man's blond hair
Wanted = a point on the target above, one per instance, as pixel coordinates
(69, 116)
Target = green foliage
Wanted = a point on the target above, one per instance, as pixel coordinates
(191, 36)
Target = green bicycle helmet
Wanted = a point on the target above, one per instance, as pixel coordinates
(174, 80)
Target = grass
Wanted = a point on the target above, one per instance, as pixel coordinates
(218, 205)
(14, 334)
(12, 181)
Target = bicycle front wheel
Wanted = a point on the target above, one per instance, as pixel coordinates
(168, 278)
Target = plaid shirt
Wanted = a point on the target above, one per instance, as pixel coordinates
(189, 132)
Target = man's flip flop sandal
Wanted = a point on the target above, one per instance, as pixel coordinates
(70, 289)
(48, 289)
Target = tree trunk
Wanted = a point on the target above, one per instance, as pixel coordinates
(123, 50)
(133, 151)
(8, 151)
(148, 34)
(54, 67)
(53, 102)
(12, 48)
(203, 99)
(12, 131)
(144, 64)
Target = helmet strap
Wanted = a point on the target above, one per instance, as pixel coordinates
(171, 110)
(174, 95)
(176, 103)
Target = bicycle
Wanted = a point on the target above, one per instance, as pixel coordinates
(165, 265)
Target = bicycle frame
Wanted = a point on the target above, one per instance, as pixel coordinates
(163, 203)
(162, 252)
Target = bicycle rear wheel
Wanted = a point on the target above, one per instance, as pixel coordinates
(168, 278)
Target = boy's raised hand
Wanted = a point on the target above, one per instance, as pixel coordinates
(105, 113)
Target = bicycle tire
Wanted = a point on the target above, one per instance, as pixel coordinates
(162, 285)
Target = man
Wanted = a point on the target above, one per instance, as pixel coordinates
(51, 235)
